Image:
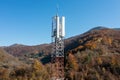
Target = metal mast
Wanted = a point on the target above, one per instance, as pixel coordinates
(57, 56)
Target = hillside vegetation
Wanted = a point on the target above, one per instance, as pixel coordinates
(93, 55)
(11, 68)
(96, 56)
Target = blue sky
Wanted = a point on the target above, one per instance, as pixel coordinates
(29, 21)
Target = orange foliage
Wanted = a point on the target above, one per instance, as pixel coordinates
(110, 41)
(78, 48)
(107, 40)
(4, 74)
(73, 62)
(99, 60)
(37, 65)
(90, 45)
(113, 60)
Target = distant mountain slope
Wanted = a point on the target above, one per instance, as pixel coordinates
(117, 28)
(19, 50)
(26, 53)
(109, 38)
(98, 28)
(8, 61)
(17, 45)
(105, 35)
(93, 55)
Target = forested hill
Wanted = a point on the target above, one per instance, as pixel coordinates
(70, 43)
(94, 55)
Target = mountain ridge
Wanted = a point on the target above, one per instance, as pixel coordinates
(95, 28)
(70, 43)
(91, 55)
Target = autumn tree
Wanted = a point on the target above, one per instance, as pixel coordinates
(72, 66)
(37, 66)
(39, 71)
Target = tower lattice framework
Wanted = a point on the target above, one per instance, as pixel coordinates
(57, 56)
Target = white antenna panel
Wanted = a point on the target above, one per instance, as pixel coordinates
(58, 26)
(63, 26)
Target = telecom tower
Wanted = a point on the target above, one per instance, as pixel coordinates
(57, 56)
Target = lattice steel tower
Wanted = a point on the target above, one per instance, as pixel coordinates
(57, 56)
